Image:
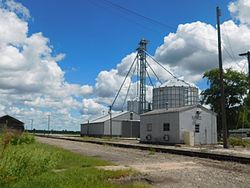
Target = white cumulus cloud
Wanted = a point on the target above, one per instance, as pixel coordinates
(240, 10)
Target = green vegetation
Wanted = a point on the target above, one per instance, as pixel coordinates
(236, 86)
(24, 163)
(234, 141)
(151, 151)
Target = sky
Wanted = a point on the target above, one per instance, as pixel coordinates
(67, 59)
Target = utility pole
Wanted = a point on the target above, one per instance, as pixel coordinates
(248, 58)
(142, 62)
(31, 124)
(110, 120)
(222, 97)
(48, 123)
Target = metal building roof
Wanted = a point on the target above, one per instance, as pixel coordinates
(179, 109)
(107, 117)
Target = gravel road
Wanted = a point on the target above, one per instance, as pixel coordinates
(165, 170)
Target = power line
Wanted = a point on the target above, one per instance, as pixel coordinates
(154, 21)
(151, 20)
(229, 43)
(121, 14)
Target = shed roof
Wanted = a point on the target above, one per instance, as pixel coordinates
(107, 117)
(5, 118)
(179, 109)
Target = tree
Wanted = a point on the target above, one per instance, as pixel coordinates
(244, 114)
(235, 85)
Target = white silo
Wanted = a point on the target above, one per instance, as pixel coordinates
(175, 93)
(134, 106)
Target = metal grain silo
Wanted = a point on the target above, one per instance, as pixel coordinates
(175, 93)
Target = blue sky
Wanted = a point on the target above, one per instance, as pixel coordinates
(68, 59)
(96, 36)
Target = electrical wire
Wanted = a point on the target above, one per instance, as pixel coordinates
(122, 14)
(127, 10)
(124, 9)
(229, 43)
(151, 20)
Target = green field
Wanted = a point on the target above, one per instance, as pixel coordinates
(28, 164)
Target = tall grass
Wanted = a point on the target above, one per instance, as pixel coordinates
(25, 163)
(21, 157)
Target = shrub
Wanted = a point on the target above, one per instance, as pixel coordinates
(15, 138)
(234, 141)
(23, 139)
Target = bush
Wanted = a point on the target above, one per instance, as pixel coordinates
(23, 139)
(15, 138)
(234, 141)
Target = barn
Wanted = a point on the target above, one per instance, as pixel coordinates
(123, 124)
(194, 125)
(11, 124)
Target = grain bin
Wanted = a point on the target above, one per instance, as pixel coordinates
(175, 93)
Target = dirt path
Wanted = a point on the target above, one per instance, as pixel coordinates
(165, 170)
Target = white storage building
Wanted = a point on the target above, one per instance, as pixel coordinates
(124, 124)
(171, 126)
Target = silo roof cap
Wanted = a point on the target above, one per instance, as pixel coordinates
(175, 82)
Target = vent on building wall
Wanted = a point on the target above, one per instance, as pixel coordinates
(166, 137)
(148, 137)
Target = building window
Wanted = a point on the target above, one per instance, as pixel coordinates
(197, 128)
(166, 126)
(149, 127)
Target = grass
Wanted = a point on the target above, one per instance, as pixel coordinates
(25, 164)
(234, 141)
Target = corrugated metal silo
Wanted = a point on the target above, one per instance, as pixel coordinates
(175, 93)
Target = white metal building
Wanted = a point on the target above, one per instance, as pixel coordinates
(124, 124)
(169, 126)
(175, 93)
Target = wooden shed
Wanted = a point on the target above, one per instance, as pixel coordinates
(11, 124)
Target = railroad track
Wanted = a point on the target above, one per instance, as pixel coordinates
(200, 154)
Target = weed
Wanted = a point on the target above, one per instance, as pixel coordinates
(151, 151)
